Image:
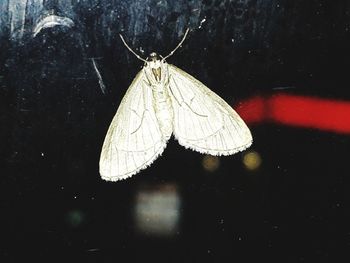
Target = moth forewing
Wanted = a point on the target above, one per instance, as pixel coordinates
(214, 127)
(134, 139)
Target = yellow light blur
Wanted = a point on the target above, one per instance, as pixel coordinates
(252, 160)
(210, 163)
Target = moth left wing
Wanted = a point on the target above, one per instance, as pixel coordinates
(203, 121)
(134, 139)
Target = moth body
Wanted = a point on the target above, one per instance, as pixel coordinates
(157, 74)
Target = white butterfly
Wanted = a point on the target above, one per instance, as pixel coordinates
(161, 101)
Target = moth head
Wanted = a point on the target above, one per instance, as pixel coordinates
(154, 60)
(153, 57)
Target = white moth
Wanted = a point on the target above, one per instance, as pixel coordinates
(161, 101)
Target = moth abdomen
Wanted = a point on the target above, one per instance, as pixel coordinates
(164, 111)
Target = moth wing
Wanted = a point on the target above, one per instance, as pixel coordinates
(134, 139)
(203, 121)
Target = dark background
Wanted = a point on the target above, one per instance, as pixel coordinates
(54, 116)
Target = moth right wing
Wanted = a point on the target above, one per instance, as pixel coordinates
(203, 121)
(134, 139)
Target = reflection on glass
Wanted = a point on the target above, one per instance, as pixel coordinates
(251, 160)
(157, 210)
(210, 163)
(299, 111)
(52, 21)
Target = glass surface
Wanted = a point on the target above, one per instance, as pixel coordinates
(282, 65)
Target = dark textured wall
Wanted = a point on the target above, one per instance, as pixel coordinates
(54, 113)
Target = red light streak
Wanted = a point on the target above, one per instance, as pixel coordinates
(300, 111)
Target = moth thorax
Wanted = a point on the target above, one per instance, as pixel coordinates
(157, 73)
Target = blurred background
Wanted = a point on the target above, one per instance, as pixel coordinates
(283, 65)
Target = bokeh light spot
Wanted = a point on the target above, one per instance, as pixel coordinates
(75, 218)
(210, 163)
(252, 160)
(157, 210)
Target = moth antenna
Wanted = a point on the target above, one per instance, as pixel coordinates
(179, 45)
(132, 51)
